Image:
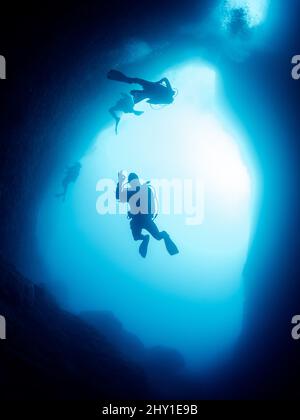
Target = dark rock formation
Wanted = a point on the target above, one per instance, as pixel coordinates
(165, 367)
(51, 354)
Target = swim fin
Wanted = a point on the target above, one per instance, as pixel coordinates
(117, 76)
(143, 249)
(171, 247)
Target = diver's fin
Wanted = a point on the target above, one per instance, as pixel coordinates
(117, 76)
(143, 249)
(171, 247)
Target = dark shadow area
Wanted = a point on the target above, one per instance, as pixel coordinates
(54, 354)
(164, 367)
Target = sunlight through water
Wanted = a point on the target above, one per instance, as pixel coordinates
(193, 301)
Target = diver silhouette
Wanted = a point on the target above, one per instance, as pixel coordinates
(125, 105)
(72, 173)
(141, 202)
(156, 93)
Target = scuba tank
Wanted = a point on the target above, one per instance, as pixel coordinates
(155, 201)
(156, 204)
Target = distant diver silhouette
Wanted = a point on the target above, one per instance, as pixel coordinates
(125, 105)
(156, 93)
(142, 214)
(72, 173)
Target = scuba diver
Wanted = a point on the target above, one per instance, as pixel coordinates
(72, 173)
(124, 105)
(156, 93)
(141, 200)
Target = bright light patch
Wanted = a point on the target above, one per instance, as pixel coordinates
(256, 10)
(193, 301)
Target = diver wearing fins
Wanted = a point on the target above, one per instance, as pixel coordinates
(156, 93)
(125, 105)
(141, 202)
(72, 173)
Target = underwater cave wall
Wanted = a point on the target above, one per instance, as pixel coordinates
(29, 154)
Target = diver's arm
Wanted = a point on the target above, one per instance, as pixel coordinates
(118, 192)
(121, 192)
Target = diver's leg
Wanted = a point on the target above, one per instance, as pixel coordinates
(136, 229)
(121, 77)
(59, 195)
(154, 231)
(113, 111)
(63, 194)
(118, 76)
(142, 82)
(151, 227)
(65, 191)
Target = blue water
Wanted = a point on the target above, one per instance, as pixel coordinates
(193, 301)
